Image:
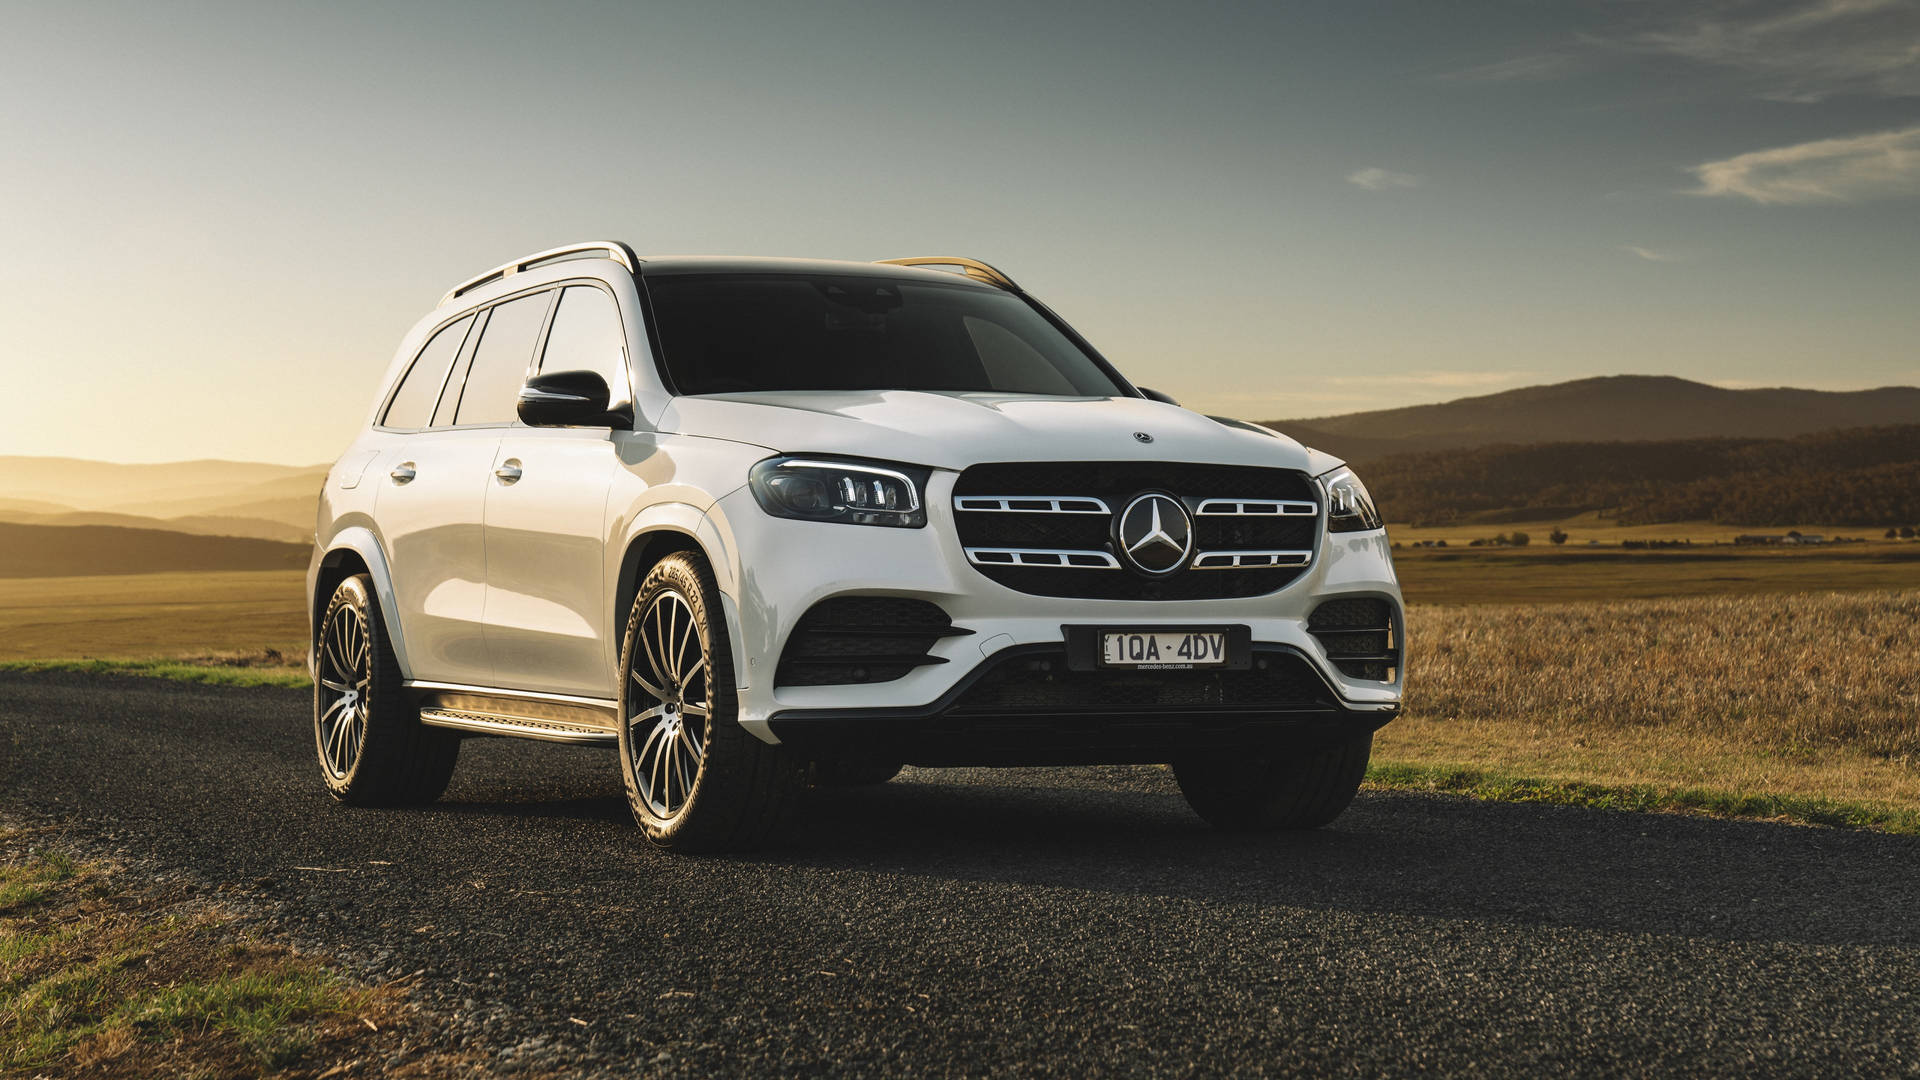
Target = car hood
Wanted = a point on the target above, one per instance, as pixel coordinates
(955, 430)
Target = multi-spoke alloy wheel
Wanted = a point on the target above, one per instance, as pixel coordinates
(374, 751)
(667, 719)
(696, 779)
(345, 678)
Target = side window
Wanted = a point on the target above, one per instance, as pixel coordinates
(500, 362)
(412, 404)
(586, 336)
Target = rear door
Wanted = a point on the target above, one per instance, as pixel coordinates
(548, 606)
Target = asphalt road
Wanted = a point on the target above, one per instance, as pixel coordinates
(1033, 922)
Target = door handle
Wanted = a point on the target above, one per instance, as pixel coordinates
(403, 473)
(508, 472)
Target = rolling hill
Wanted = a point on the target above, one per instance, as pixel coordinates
(1863, 476)
(273, 497)
(62, 550)
(1617, 408)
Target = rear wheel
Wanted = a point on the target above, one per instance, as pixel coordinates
(696, 779)
(374, 751)
(1278, 791)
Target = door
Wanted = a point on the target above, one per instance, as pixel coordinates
(432, 504)
(548, 606)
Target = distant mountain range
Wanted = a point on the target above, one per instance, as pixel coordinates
(212, 498)
(1618, 408)
(86, 550)
(1856, 476)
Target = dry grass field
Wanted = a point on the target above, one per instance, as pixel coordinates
(1542, 574)
(146, 615)
(1813, 696)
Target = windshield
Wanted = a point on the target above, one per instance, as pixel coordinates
(734, 333)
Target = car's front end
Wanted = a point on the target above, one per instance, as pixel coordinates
(1103, 582)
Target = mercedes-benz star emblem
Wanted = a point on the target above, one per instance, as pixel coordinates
(1141, 436)
(1155, 533)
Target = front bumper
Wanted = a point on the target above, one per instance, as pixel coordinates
(780, 568)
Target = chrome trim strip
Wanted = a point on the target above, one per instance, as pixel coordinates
(1001, 504)
(1018, 557)
(1256, 508)
(615, 250)
(972, 268)
(1250, 560)
(609, 704)
(519, 727)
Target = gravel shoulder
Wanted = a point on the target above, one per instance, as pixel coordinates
(1038, 922)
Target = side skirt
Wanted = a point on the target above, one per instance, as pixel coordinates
(482, 711)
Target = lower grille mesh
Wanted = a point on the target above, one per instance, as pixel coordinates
(1358, 634)
(862, 639)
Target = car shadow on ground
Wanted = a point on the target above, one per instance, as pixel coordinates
(1127, 831)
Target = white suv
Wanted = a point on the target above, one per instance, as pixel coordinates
(758, 520)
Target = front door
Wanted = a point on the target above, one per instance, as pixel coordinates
(549, 606)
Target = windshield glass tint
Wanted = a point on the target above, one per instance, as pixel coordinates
(734, 333)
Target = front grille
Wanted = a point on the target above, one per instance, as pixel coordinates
(1046, 528)
(862, 639)
(1358, 634)
(1277, 681)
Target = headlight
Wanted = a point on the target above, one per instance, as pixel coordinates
(813, 489)
(1349, 507)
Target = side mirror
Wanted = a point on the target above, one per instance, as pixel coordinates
(1155, 395)
(569, 399)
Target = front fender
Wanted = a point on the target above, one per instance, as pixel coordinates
(715, 541)
(363, 543)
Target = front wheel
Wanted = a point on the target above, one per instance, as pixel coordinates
(1277, 791)
(696, 779)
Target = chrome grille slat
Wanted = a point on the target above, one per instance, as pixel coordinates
(1255, 508)
(1031, 504)
(1057, 558)
(1249, 560)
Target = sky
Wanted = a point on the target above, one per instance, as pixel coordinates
(219, 220)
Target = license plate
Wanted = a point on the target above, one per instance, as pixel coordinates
(1163, 649)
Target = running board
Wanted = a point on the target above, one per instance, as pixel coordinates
(570, 720)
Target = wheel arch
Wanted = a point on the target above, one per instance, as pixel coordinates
(356, 551)
(662, 530)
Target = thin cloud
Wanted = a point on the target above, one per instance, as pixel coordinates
(1534, 67)
(1649, 254)
(1851, 169)
(1374, 178)
(1803, 52)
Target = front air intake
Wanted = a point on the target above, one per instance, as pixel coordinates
(863, 639)
(1358, 634)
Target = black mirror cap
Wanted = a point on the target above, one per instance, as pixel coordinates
(569, 399)
(1155, 395)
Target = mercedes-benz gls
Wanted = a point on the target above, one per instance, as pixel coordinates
(756, 522)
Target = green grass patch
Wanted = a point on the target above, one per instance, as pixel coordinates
(1498, 787)
(99, 979)
(213, 673)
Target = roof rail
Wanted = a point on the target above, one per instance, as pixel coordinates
(972, 268)
(615, 250)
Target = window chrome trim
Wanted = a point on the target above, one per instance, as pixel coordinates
(1002, 504)
(1017, 558)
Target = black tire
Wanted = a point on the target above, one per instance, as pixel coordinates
(1262, 793)
(373, 749)
(854, 771)
(741, 789)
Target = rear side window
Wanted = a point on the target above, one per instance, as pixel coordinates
(500, 362)
(586, 336)
(412, 404)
